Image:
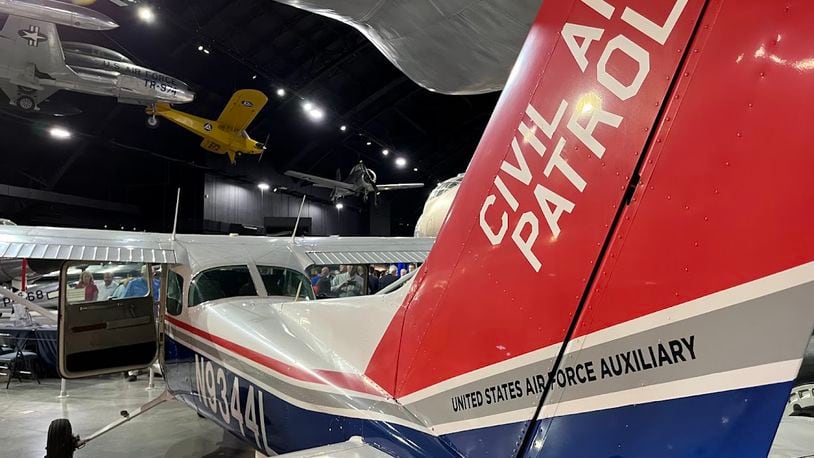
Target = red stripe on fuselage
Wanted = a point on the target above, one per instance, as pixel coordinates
(332, 378)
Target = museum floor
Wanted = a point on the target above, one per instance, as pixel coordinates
(169, 430)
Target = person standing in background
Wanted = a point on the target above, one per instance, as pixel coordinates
(389, 277)
(372, 281)
(108, 287)
(86, 282)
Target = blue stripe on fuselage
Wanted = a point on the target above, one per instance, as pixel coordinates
(736, 423)
(287, 427)
(730, 423)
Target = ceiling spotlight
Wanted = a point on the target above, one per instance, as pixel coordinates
(263, 186)
(280, 92)
(146, 14)
(385, 151)
(415, 169)
(340, 206)
(254, 77)
(401, 162)
(368, 143)
(313, 111)
(343, 128)
(60, 133)
(200, 48)
(316, 114)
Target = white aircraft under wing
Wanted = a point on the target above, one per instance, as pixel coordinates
(450, 46)
(36, 45)
(34, 64)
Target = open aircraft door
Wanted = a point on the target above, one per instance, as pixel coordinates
(107, 328)
(109, 312)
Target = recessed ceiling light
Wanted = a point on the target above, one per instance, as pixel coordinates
(401, 162)
(340, 206)
(280, 92)
(146, 14)
(368, 143)
(385, 151)
(316, 114)
(343, 128)
(254, 77)
(200, 48)
(263, 186)
(415, 169)
(307, 106)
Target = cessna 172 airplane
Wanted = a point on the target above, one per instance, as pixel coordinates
(34, 64)
(361, 181)
(627, 268)
(228, 134)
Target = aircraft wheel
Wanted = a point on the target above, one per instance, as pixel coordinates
(26, 103)
(61, 441)
(152, 122)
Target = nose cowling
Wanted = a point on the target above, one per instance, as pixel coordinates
(184, 96)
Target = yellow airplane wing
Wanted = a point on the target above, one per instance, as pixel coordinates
(241, 110)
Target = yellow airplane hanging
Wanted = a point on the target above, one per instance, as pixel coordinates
(227, 135)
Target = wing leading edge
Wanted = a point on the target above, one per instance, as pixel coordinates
(397, 186)
(320, 181)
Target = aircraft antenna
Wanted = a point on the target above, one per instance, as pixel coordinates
(297, 224)
(175, 219)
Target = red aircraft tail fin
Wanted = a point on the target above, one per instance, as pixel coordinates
(628, 241)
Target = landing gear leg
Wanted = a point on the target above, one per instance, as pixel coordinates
(62, 443)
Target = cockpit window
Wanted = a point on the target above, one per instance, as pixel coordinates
(285, 282)
(221, 282)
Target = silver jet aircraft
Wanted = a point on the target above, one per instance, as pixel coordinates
(360, 181)
(34, 63)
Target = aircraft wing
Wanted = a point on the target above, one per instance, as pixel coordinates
(396, 187)
(452, 47)
(320, 181)
(241, 110)
(84, 245)
(29, 41)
